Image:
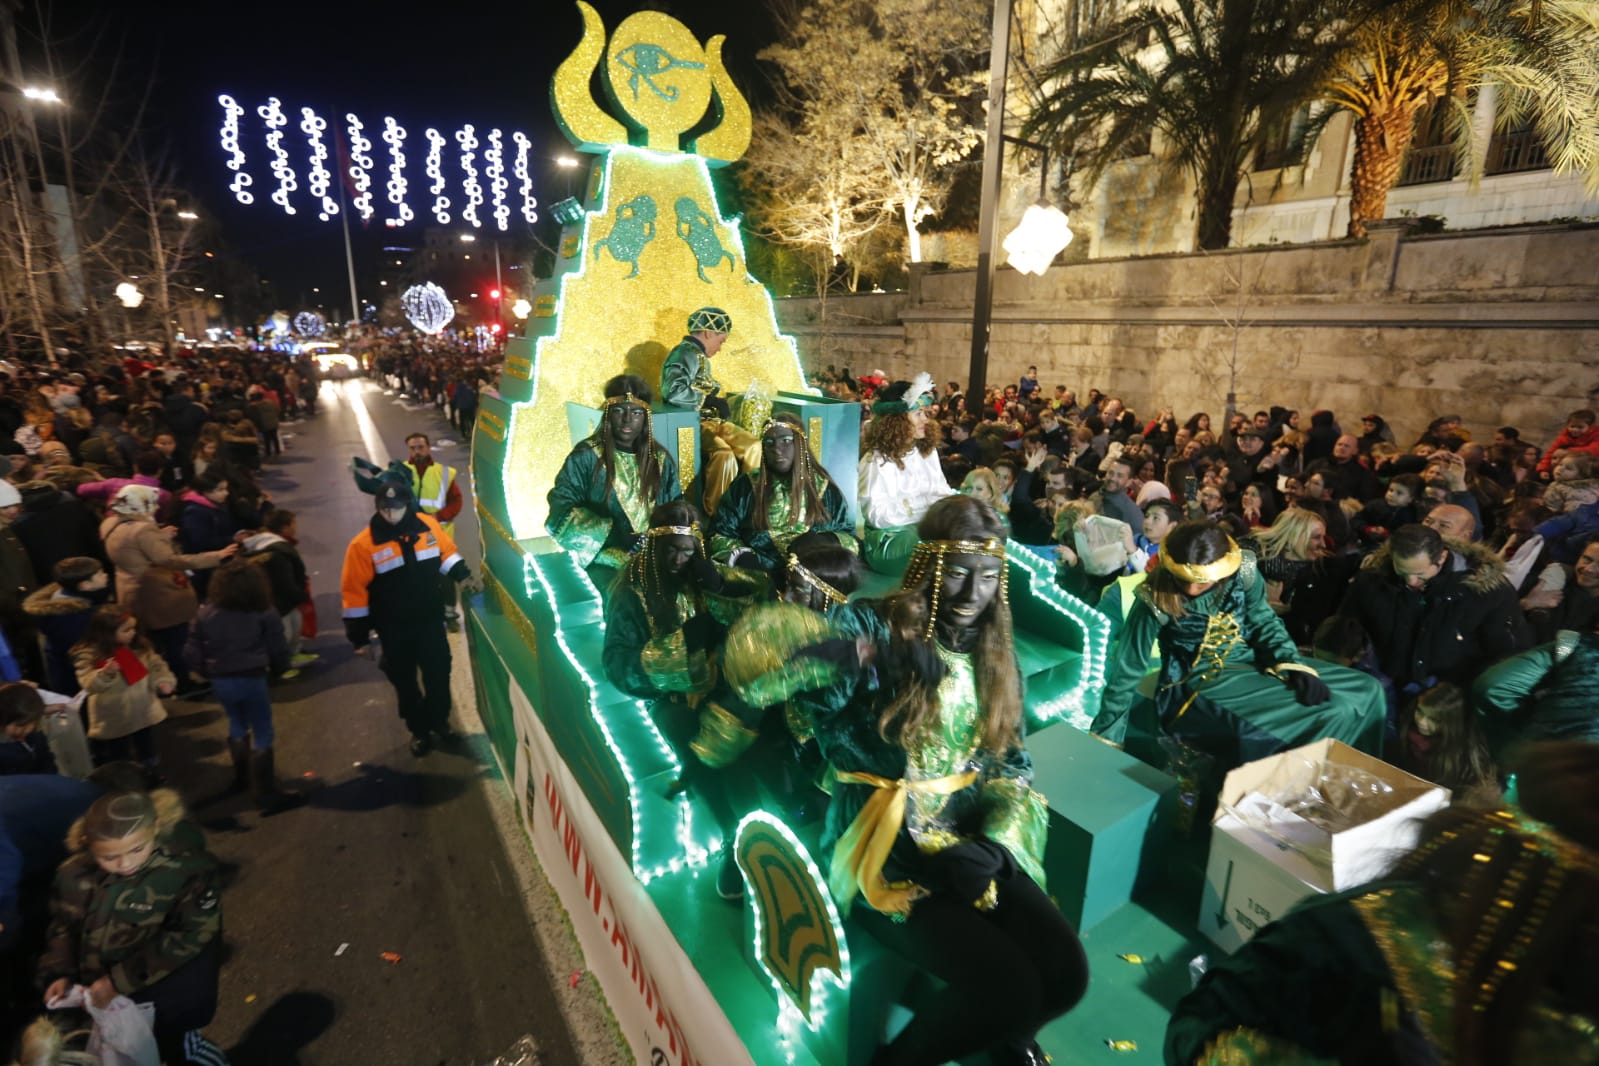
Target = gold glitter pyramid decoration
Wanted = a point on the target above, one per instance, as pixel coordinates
(649, 247)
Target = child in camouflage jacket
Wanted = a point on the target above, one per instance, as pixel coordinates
(137, 911)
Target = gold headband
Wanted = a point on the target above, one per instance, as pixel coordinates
(801, 571)
(1196, 573)
(991, 546)
(773, 423)
(681, 531)
(626, 397)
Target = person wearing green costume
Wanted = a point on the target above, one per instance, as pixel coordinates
(899, 473)
(933, 824)
(790, 495)
(686, 382)
(1550, 692)
(603, 493)
(1231, 682)
(1477, 949)
(665, 622)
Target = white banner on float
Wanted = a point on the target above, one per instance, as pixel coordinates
(667, 1014)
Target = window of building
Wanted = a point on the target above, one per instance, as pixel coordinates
(1516, 149)
(1431, 155)
(1277, 148)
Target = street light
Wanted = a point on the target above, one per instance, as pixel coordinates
(188, 216)
(129, 295)
(569, 162)
(41, 94)
(468, 238)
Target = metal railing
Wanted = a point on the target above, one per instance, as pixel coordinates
(1426, 165)
(1512, 151)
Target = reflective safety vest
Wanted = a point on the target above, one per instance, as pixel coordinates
(396, 579)
(433, 489)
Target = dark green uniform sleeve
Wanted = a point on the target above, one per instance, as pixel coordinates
(571, 493)
(627, 632)
(730, 525)
(677, 376)
(670, 488)
(1129, 662)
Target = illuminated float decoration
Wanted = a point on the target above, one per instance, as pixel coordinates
(644, 244)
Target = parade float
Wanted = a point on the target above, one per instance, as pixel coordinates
(691, 978)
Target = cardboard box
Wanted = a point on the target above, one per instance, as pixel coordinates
(1253, 878)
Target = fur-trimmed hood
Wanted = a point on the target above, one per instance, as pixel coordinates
(1485, 571)
(169, 813)
(44, 603)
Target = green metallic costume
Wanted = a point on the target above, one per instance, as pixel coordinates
(1364, 976)
(1550, 692)
(686, 375)
(596, 521)
(732, 526)
(1213, 690)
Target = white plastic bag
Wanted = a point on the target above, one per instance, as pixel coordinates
(1101, 543)
(63, 731)
(123, 1030)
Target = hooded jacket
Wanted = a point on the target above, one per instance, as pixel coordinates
(150, 573)
(1464, 620)
(284, 569)
(61, 617)
(140, 928)
(54, 526)
(1583, 442)
(116, 708)
(224, 643)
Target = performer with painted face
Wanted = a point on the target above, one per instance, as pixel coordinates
(686, 382)
(763, 511)
(899, 473)
(934, 834)
(665, 622)
(1232, 684)
(604, 492)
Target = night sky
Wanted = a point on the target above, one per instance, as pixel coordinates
(444, 66)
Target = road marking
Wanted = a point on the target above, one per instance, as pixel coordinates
(369, 430)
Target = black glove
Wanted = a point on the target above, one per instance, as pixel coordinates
(705, 574)
(965, 870)
(716, 407)
(748, 560)
(358, 631)
(840, 651)
(1308, 689)
(701, 633)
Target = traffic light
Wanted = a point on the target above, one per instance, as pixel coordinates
(494, 294)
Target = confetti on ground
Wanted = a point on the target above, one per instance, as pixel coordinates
(1136, 960)
(342, 949)
(308, 774)
(250, 998)
(391, 957)
(1122, 1045)
(356, 763)
(577, 975)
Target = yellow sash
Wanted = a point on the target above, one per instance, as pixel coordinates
(860, 853)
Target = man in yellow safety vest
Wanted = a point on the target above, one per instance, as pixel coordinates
(437, 494)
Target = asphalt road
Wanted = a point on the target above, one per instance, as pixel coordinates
(392, 854)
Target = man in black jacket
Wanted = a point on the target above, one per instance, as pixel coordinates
(1436, 609)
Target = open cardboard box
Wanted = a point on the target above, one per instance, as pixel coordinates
(1253, 878)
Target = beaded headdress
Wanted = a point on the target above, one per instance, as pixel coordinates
(643, 573)
(1196, 573)
(631, 399)
(710, 320)
(797, 569)
(927, 562)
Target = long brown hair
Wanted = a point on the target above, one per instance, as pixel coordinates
(1471, 862)
(657, 591)
(803, 493)
(892, 437)
(100, 634)
(649, 458)
(1190, 542)
(914, 714)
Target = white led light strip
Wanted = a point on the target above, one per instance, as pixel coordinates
(494, 162)
(435, 172)
(272, 114)
(466, 137)
(240, 185)
(394, 136)
(520, 168)
(312, 126)
(360, 166)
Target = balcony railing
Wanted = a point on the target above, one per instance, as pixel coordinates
(1513, 151)
(1426, 165)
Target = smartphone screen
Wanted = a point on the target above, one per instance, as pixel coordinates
(1190, 488)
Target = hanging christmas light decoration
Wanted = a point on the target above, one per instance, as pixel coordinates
(427, 307)
(435, 171)
(310, 324)
(466, 137)
(240, 185)
(494, 169)
(360, 166)
(272, 114)
(394, 136)
(523, 175)
(312, 125)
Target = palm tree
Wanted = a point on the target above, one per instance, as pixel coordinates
(1542, 55)
(1223, 75)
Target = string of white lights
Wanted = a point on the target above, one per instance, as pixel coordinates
(435, 171)
(272, 114)
(466, 137)
(394, 136)
(360, 166)
(523, 175)
(240, 185)
(494, 158)
(312, 125)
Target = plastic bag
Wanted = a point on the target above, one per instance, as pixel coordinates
(1192, 768)
(1101, 544)
(123, 1030)
(755, 407)
(63, 731)
(522, 1053)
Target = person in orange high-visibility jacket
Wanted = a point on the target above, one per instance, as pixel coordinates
(391, 585)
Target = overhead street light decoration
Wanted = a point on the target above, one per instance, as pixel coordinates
(129, 294)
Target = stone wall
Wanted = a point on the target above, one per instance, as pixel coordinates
(1500, 327)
